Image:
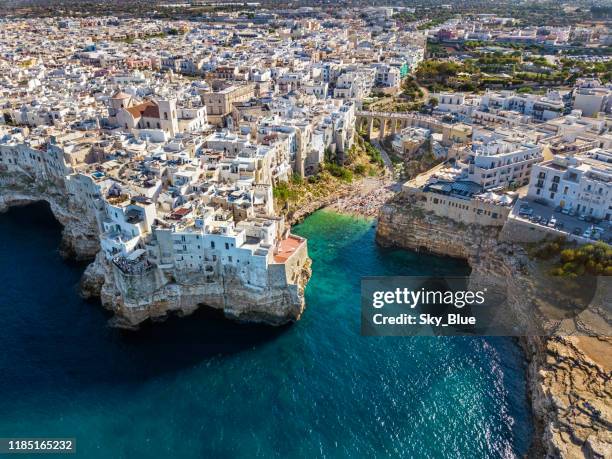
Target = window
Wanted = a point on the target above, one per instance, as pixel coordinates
(212, 244)
(226, 246)
(552, 195)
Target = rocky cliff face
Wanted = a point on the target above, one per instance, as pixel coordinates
(278, 304)
(80, 232)
(568, 376)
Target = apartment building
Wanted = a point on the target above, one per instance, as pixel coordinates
(539, 108)
(581, 183)
(591, 97)
(502, 163)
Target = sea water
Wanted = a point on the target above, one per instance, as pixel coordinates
(201, 386)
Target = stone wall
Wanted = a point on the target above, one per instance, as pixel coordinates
(403, 223)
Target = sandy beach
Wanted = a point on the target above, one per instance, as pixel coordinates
(366, 198)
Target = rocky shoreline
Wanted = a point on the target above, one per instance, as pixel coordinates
(568, 377)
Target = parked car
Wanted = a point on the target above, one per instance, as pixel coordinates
(552, 222)
(544, 221)
(581, 217)
(559, 225)
(565, 211)
(577, 231)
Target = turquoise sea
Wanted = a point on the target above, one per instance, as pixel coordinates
(205, 387)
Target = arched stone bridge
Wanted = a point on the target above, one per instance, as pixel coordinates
(392, 122)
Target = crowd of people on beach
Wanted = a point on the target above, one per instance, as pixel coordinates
(366, 203)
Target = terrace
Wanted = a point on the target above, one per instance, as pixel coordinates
(287, 247)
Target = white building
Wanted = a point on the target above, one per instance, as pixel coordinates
(540, 108)
(502, 163)
(582, 183)
(591, 97)
(387, 76)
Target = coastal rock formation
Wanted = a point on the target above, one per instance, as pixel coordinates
(156, 293)
(568, 376)
(280, 303)
(569, 382)
(93, 278)
(80, 231)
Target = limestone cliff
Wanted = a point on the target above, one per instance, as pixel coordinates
(80, 231)
(279, 302)
(568, 376)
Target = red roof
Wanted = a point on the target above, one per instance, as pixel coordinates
(147, 109)
(286, 248)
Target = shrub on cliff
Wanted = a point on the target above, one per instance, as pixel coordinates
(594, 259)
(340, 172)
(283, 193)
(360, 169)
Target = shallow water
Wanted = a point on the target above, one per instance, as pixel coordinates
(204, 387)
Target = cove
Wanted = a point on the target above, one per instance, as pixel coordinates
(201, 386)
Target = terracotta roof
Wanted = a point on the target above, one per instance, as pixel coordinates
(147, 109)
(286, 248)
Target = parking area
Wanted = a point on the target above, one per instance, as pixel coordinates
(542, 215)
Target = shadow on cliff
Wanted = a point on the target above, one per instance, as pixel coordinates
(185, 341)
